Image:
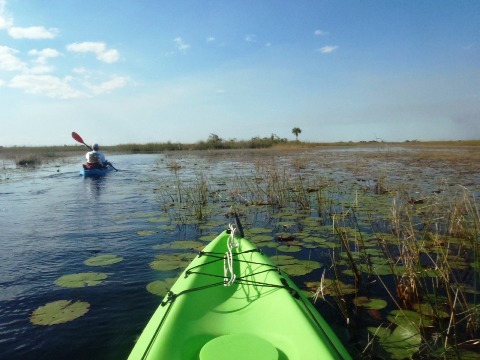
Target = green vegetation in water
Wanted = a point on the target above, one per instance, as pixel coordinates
(168, 262)
(81, 279)
(59, 312)
(181, 245)
(405, 257)
(160, 287)
(103, 260)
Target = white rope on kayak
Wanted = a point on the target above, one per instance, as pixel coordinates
(228, 273)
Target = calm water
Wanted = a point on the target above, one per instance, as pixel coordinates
(51, 221)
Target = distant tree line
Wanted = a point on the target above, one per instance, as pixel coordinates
(214, 142)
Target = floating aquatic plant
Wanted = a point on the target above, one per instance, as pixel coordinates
(160, 287)
(295, 267)
(331, 287)
(58, 312)
(289, 248)
(166, 262)
(81, 279)
(408, 317)
(146, 232)
(159, 219)
(103, 260)
(402, 343)
(369, 303)
(181, 245)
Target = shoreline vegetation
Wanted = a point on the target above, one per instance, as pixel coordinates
(32, 156)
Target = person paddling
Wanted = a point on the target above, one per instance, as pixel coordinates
(95, 158)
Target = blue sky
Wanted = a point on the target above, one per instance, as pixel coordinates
(137, 71)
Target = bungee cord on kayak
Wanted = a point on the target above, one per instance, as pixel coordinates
(228, 273)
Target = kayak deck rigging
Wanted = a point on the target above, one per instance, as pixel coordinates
(252, 301)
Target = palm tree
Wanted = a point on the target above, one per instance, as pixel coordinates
(296, 131)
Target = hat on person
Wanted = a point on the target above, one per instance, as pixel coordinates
(95, 147)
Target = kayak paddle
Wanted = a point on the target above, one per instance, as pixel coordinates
(79, 139)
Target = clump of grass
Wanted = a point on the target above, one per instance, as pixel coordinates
(276, 187)
(28, 160)
(433, 252)
(174, 166)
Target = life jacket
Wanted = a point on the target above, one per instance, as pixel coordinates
(93, 158)
(90, 166)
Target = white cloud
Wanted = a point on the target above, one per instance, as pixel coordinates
(327, 49)
(319, 32)
(40, 69)
(250, 38)
(79, 70)
(18, 32)
(44, 54)
(108, 56)
(181, 45)
(32, 32)
(9, 61)
(106, 87)
(36, 76)
(40, 63)
(5, 19)
(210, 39)
(48, 85)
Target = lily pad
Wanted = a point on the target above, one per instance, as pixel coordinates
(402, 343)
(302, 267)
(58, 312)
(258, 230)
(260, 238)
(289, 249)
(146, 232)
(103, 260)
(166, 262)
(159, 219)
(160, 287)
(81, 279)
(332, 287)
(428, 310)
(208, 237)
(181, 245)
(374, 304)
(283, 259)
(408, 317)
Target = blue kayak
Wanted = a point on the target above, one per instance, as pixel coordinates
(96, 172)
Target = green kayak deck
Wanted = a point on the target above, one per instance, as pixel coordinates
(240, 309)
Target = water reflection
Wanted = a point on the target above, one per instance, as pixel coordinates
(94, 186)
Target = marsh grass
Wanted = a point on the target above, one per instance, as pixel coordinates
(419, 252)
(432, 251)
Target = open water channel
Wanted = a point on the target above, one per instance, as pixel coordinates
(52, 220)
